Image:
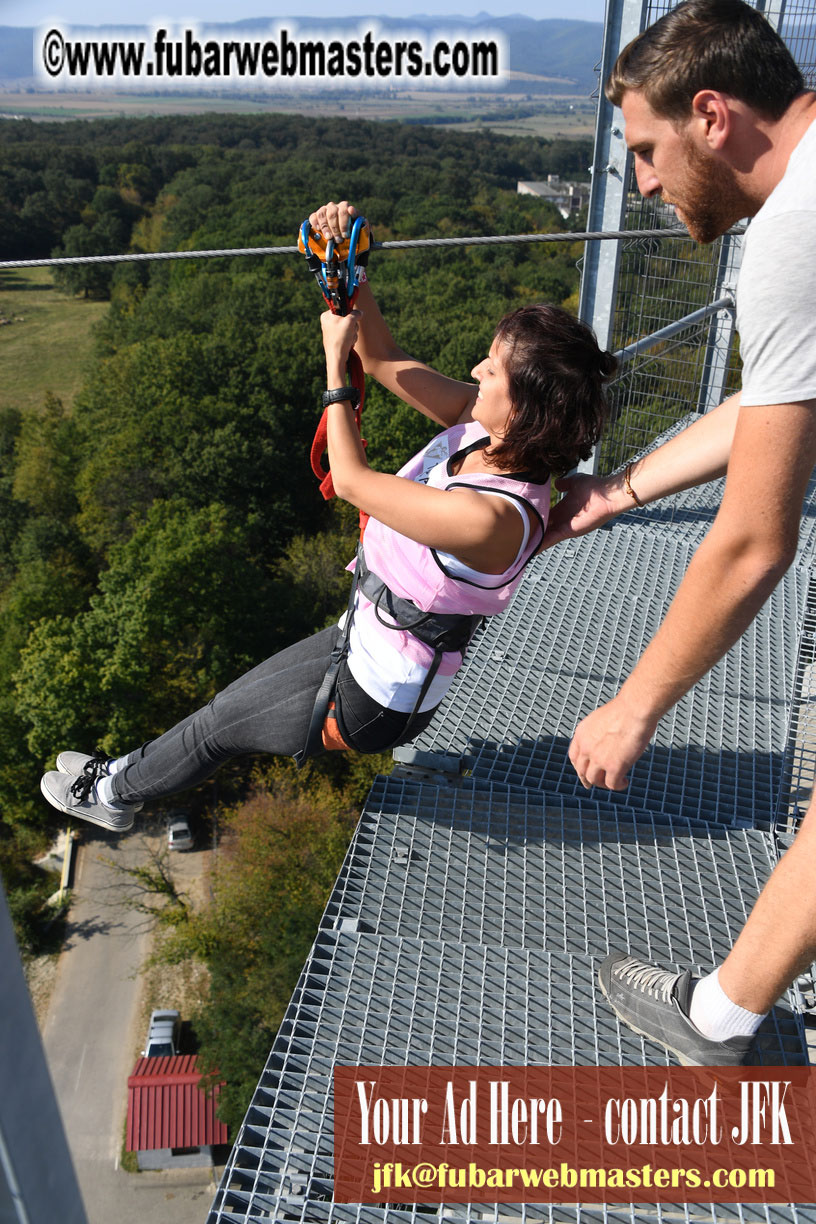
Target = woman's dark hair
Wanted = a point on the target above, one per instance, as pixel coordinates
(556, 373)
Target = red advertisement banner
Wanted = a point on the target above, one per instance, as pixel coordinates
(575, 1134)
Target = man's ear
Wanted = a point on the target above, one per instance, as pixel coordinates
(711, 115)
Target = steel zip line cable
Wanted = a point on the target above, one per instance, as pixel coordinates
(140, 256)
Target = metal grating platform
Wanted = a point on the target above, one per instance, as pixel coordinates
(578, 624)
(317, 1212)
(373, 1000)
(427, 957)
(467, 922)
(800, 763)
(501, 867)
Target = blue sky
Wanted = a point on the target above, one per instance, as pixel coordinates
(145, 12)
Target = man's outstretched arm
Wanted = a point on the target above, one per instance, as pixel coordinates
(750, 545)
(697, 455)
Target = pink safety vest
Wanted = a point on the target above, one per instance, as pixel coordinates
(416, 572)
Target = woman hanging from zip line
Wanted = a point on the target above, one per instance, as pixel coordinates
(446, 544)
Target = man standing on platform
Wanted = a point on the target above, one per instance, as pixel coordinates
(721, 127)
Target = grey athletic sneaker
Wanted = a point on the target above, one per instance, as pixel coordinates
(81, 762)
(76, 795)
(655, 1003)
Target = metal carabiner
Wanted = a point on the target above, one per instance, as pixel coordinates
(351, 258)
(336, 266)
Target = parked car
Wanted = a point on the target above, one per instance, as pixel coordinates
(163, 1034)
(179, 834)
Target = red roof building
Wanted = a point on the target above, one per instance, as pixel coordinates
(168, 1111)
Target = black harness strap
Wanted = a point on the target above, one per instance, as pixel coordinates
(442, 631)
(320, 710)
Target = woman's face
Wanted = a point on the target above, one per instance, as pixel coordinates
(493, 405)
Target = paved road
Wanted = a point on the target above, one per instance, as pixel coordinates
(89, 1039)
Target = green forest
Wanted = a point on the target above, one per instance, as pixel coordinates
(163, 532)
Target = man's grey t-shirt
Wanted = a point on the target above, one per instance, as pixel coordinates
(776, 291)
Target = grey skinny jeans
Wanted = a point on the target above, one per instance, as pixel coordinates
(267, 710)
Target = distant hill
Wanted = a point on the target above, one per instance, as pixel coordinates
(564, 50)
(16, 53)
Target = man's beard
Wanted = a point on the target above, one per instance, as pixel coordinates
(711, 199)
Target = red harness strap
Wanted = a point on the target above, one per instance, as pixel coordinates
(320, 440)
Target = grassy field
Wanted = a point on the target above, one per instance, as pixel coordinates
(45, 339)
(546, 116)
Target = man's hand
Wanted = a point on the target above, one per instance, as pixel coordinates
(607, 743)
(588, 502)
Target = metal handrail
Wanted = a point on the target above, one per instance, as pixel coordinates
(672, 329)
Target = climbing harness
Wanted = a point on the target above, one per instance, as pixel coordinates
(442, 631)
(337, 268)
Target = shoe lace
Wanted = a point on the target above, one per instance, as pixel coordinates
(650, 979)
(92, 771)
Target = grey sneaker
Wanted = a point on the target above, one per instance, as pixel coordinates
(82, 762)
(655, 1003)
(76, 795)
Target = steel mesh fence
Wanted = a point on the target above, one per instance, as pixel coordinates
(660, 282)
(798, 28)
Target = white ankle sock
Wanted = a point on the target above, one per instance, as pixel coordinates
(118, 763)
(717, 1018)
(105, 794)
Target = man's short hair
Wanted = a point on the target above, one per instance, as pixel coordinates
(708, 44)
